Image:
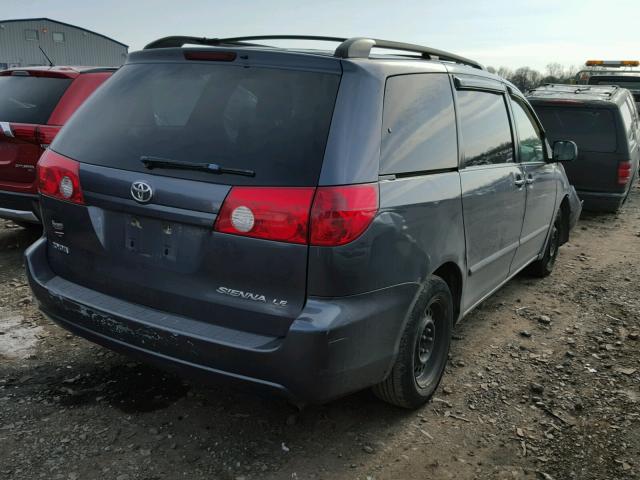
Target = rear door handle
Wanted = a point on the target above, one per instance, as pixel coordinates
(530, 179)
(518, 181)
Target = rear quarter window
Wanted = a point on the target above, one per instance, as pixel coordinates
(418, 125)
(593, 129)
(25, 99)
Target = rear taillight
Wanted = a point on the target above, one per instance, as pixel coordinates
(46, 134)
(41, 135)
(59, 177)
(25, 132)
(340, 214)
(624, 173)
(326, 216)
(280, 214)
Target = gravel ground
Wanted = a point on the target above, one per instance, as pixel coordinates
(543, 383)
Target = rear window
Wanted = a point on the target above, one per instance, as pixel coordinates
(624, 82)
(593, 129)
(30, 99)
(272, 121)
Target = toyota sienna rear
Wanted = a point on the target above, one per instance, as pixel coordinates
(294, 219)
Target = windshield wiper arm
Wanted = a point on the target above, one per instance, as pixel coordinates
(158, 162)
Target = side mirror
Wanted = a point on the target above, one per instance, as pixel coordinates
(565, 151)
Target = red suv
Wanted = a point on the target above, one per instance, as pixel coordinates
(35, 103)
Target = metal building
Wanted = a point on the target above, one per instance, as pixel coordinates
(65, 44)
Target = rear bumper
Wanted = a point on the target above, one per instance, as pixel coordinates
(602, 201)
(21, 207)
(334, 347)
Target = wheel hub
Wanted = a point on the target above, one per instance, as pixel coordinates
(425, 344)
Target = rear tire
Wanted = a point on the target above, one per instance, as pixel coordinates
(424, 349)
(543, 267)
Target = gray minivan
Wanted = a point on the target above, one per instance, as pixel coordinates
(603, 122)
(309, 222)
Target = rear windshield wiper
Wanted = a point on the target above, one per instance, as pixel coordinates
(158, 162)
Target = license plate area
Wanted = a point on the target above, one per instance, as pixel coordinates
(151, 238)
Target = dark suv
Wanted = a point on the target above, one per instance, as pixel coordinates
(311, 222)
(603, 121)
(34, 104)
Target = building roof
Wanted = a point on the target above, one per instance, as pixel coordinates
(62, 23)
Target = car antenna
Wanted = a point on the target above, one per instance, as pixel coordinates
(46, 56)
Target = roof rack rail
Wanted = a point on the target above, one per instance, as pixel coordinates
(357, 47)
(361, 48)
(179, 41)
(596, 90)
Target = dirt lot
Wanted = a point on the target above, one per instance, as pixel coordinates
(543, 382)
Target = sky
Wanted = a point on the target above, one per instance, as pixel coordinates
(498, 33)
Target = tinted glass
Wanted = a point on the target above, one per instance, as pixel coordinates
(630, 83)
(272, 121)
(418, 125)
(593, 129)
(485, 129)
(627, 118)
(30, 99)
(530, 140)
(633, 108)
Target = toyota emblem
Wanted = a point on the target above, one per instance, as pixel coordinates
(141, 192)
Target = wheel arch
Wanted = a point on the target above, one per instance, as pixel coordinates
(452, 275)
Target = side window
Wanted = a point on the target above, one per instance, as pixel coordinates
(530, 145)
(31, 35)
(485, 128)
(632, 124)
(634, 111)
(627, 119)
(418, 124)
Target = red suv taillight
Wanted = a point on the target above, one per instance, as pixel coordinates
(624, 172)
(42, 135)
(326, 216)
(46, 134)
(24, 132)
(59, 177)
